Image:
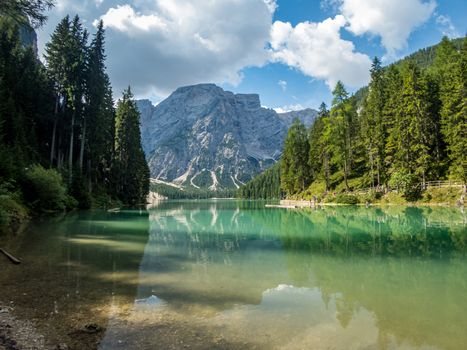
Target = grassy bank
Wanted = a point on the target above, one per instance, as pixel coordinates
(430, 196)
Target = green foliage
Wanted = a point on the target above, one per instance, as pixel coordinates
(44, 189)
(79, 190)
(264, 186)
(295, 170)
(26, 11)
(189, 192)
(203, 179)
(372, 125)
(450, 68)
(61, 115)
(316, 189)
(320, 147)
(348, 199)
(447, 195)
(341, 131)
(409, 126)
(372, 196)
(406, 184)
(12, 211)
(130, 170)
(354, 184)
(82, 132)
(414, 126)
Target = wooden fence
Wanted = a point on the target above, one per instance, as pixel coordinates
(440, 184)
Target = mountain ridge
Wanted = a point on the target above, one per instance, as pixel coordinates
(202, 136)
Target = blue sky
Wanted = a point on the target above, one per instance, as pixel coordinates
(290, 52)
(310, 92)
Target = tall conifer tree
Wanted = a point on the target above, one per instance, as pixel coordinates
(295, 171)
(341, 130)
(130, 165)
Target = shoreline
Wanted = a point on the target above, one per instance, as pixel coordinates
(17, 333)
(301, 204)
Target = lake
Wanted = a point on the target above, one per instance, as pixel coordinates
(231, 274)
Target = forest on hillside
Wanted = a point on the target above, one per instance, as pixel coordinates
(171, 192)
(409, 126)
(63, 143)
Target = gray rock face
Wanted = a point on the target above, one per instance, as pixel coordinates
(307, 116)
(28, 37)
(205, 137)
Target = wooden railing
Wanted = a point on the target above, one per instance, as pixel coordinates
(428, 184)
(439, 184)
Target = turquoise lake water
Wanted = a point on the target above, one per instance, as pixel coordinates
(231, 274)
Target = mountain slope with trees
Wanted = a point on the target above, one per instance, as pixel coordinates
(408, 127)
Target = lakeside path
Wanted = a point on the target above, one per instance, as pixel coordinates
(300, 204)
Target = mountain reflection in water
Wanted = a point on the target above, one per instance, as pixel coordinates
(230, 274)
(343, 278)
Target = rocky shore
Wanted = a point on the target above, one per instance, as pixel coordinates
(16, 334)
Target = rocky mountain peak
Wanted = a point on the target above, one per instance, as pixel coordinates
(248, 101)
(204, 137)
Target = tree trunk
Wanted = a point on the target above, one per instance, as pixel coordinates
(70, 154)
(89, 172)
(52, 149)
(60, 155)
(326, 171)
(371, 169)
(345, 176)
(59, 151)
(378, 168)
(81, 151)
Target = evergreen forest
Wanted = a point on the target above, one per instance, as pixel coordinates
(406, 128)
(64, 143)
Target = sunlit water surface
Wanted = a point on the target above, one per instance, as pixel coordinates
(228, 274)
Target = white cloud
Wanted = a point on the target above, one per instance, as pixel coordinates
(272, 5)
(318, 50)
(282, 84)
(289, 108)
(63, 6)
(392, 20)
(162, 44)
(124, 19)
(159, 45)
(447, 27)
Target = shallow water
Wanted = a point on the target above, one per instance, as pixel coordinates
(228, 274)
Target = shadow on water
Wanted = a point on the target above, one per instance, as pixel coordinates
(58, 284)
(232, 274)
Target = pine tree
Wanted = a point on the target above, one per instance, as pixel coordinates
(57, 65)
(413, 130)
(99, 110)
(319, 139)
(340, 120)
(77, 50)
(295, 171)
(450, 68)
(372, 128)
(24, 102)
(264, 186)
(66, 56)
(131, 168)
(26, 11)
(393, 88)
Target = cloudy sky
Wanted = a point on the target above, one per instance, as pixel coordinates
(291, 52)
